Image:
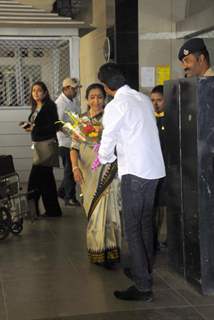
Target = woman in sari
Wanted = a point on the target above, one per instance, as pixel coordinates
(103, 228)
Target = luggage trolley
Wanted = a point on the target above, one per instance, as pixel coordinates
(13, 203)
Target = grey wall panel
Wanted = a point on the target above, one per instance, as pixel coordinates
(18, 114)
(11, 140)
(19, 152)
(11, 127)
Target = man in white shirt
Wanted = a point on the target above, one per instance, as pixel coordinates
(66, 102)
(130, 134)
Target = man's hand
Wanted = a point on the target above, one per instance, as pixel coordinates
(96, 147)
(96, 163)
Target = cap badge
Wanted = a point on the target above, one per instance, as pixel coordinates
(186, 52)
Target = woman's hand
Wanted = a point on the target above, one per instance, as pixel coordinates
(75, 137)
(29, 129)
(78, 177)
(96, 147)
(27, 126)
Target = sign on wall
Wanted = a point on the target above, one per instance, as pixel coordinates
(162, 73)
(147, 77)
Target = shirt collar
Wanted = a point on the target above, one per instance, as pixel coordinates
(66, 98)
(209, 73)
(159, 114)
(121, 90)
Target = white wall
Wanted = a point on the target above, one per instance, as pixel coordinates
(157, 44)
(91, 47)
(162, 28)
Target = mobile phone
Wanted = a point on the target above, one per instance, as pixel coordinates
(24, 124)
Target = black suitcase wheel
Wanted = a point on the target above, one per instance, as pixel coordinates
(16, 228)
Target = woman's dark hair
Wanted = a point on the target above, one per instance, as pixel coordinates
(44, 88)
(111, 75)
(95, 86)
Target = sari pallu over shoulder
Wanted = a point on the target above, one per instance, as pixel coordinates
(103, 183)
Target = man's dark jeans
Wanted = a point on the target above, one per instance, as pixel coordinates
(67, 187)
(137, 207)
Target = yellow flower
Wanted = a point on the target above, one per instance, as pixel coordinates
(93, 134)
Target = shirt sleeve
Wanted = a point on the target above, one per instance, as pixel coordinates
(77, 106)
(61, 111)
(112, 120)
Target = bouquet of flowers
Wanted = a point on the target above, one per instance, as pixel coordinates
(87, 130)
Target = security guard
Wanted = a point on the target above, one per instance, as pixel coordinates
(195, 59)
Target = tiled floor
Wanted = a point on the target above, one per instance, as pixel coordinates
(45, 274)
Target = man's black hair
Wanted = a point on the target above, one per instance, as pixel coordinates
(158, 89)
(111, 75)
(205, 53)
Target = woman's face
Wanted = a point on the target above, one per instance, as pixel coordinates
(96, 100)
(38, 94)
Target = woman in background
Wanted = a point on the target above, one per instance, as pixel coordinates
(103, 229)
(42, 127)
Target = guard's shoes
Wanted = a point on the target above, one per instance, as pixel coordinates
(132, 293)
(72, 203)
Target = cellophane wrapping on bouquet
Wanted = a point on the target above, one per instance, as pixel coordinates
(85, 128)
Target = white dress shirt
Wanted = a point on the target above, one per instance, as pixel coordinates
(130, 126)
(65, 104)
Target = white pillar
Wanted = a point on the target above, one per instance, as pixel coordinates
(74, 52)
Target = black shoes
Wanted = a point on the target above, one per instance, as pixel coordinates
(132, 293)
